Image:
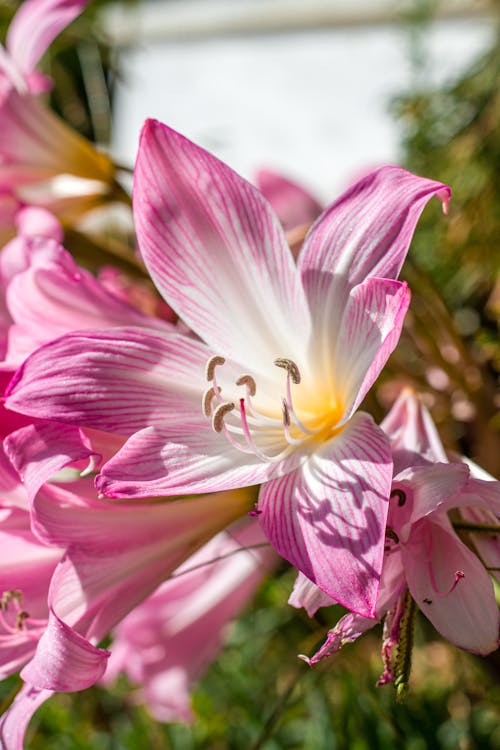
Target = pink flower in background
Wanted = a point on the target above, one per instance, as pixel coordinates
(293, 204)
(42, 159)
(167, 642)
(286, 354)
(423, 553)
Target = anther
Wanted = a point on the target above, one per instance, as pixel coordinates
(391, 534)
(21, 617)
(290, 367)
(212, 363)
(249, 382)
(208, 397)
(219, 414)
(400, 495)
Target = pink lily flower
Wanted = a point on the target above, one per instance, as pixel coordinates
(84, 564)
(37, 147)
(423, 553)
(167, 642)
(269, 392)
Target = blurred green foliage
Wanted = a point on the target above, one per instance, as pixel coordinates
(259, 696)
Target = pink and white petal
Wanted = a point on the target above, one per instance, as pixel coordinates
(181, 460)
(365, 233)
(35, 25)
(64, 661)
(53, 297)
(309, 596)
(452, 587)
(118, 380)
(38, 452)
(293, 205)
(328, 517)
(12, 492)
(216, 250)
(369, 331)
(14, 722)
(412, 432)
(433, 488)
(99, 581)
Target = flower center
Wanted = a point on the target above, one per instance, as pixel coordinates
(259, 431)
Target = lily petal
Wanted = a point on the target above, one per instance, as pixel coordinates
(412, 432)
(183, 460)
(35, 25)
(116, 380)
(216, 250)
(14, 722)
(369, 331)
(463, 610)
(39, 451)
(365, 233)
(64, 661)
(328, 517)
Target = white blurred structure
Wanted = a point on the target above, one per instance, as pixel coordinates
(302, 87)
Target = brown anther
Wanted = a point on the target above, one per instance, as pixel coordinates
(249, 382)
(212, 363)
(400, 495)
(8, 596)
(219, 414)
(286, 413)
(21, 617)
(290, 367)
(390, 534)
(208, 397)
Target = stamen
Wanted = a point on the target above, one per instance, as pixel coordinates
(219, 414)
(291, 368)
(208, 397)
(249, 382)
(286, 413)
(400, 495)
(212, 363)
(21, 617)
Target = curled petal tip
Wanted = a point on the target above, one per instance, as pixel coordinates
(444, 196)
(305, 658)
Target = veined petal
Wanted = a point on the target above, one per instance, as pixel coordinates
(35, 25)
(309, 596)
(328, 517)
(64, 660)
(14, 722)
(463, 610)
(216, 251)
(123, 553)
(369, 331)
(53, 297)
(118, 380)
(412, 432)
(39, 451)
(365, 233)
(184, 459)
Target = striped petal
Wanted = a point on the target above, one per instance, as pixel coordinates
(215, 250)
(14, 722)
(188, 458)
(365, 233)
(369, 331)
(412, 432)
(328, 517)
(64, 661)
(35, 25)
(118, 380)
